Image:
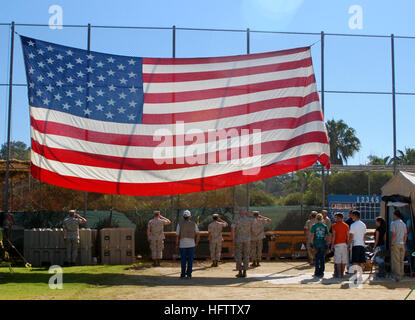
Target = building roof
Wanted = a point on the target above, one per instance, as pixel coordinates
(401, 184)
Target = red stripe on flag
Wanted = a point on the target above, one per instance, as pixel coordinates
(210, 75)
(178, 187)
(112, 162)
(170, 97)
(220, 113)
(59, 129)
(184, 61)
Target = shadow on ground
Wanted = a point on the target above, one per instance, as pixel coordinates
(131, 276)
(116, 279)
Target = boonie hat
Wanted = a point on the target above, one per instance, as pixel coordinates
(186, 213)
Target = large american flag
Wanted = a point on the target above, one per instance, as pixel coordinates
(159, 126)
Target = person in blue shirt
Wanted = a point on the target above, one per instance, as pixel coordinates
(319, 240)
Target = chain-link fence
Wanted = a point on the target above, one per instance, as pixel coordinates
(284, 218)
(366, 85)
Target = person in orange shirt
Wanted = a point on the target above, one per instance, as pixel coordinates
(339, 242)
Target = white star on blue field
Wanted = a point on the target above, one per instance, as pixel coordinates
(84, 83)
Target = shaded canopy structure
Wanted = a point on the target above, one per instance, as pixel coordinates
(401, 188)
(399, 193)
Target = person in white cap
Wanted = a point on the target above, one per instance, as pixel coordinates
(187, 239)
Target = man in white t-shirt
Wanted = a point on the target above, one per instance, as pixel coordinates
(357, 239)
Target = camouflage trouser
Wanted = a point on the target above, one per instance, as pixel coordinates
(256, 250)
(157, 247)
(71, 250)
(215, 250)
(310, 253)
(242, 255)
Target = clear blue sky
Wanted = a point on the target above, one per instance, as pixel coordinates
(350, 64)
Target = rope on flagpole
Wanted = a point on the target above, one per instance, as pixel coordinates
(315, 42)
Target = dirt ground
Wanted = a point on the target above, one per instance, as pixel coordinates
(273, 280)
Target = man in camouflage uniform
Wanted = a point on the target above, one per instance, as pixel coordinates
(215, 238)
(309, 223)
(327, 222)
(71, 235)
(257, 237)
(326, 219)
(155, 235)
(241, 236)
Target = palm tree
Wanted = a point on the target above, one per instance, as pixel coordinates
(343, 141)
(375, 160)
(407, 157)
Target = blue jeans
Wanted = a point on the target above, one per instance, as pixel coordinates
(320, 260)
(409, 246)
(381, 263)
(336, 272)
(186, 255)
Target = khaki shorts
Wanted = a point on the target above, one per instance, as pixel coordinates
(340, 253)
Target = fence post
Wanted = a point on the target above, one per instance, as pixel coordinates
(323, 177)
(172, 196)
(393, 102)
(368, 183)
(6, 188)
(111, 210)
(248, 191)
(89, 48)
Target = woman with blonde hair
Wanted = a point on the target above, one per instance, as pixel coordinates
(319, 240)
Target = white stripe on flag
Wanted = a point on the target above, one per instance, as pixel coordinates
(202, 67)
(149, 129)
(133, 152)
(174, 87)
(155, 176)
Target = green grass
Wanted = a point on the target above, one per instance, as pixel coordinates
(84, 282)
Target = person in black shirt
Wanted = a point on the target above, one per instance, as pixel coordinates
(380, 232)
(380, 235)
(349, 221)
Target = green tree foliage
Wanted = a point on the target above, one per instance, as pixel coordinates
(343, 141)
(260, 198)
(406, 157)
(375, 160)
(336, 183)
(292, 199)
(18, 151)
(356, 182)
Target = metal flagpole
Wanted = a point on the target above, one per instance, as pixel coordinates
(368, 183)
(172, 196)
(234, 198)
(248, 195)
(111, 210)
(6, 189)
(393, 102)
(85, 192)
(323, 177)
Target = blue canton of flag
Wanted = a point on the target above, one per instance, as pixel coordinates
(84, 83)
